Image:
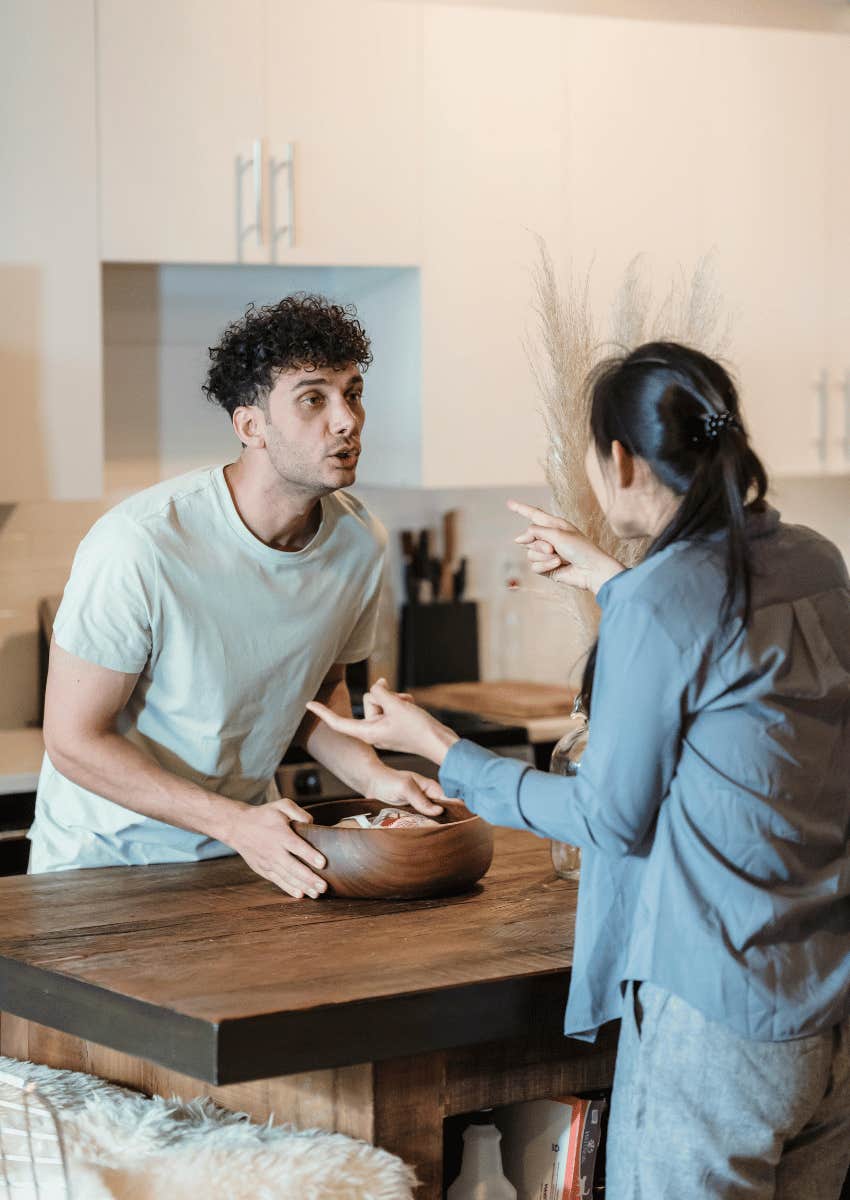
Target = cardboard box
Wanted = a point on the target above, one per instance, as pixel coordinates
(541, 1147)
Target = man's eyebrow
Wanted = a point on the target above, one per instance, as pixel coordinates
(314, 381)
(310, 381)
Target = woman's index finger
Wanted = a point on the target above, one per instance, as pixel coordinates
(537, 516)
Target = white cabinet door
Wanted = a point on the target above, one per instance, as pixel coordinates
(343, 81)
(689, 139)
(180, 102)
(50, 344)
(494, 112)
(838, 256)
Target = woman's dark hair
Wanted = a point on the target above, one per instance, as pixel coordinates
(300, 331)
(678, 410)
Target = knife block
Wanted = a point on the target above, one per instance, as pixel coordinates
(439, 643)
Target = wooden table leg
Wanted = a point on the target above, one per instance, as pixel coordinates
(409, 1100)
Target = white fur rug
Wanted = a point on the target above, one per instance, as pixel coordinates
(123, 1146)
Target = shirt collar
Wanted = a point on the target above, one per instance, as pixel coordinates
(759, 524)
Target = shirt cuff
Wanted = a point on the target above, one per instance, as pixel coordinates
(487, 783)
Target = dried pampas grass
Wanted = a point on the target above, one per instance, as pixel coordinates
(569, 345)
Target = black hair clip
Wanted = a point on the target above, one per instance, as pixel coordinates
(715, 423)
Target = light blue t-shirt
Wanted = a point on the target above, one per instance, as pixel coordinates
(712, 804)
(230, 638)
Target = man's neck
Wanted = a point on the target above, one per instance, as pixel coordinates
(283, 520)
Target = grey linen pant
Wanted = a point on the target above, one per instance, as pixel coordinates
(700, 1113)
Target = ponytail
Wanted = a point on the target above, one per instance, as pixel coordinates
(679, 410)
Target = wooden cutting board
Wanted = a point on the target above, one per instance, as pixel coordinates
(502, 699)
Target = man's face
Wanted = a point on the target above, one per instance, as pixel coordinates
(314, 417)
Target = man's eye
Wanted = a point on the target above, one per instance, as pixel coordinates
(313, 400)
(355, 397)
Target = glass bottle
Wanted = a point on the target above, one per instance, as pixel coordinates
(481, 1175)
(566, 760)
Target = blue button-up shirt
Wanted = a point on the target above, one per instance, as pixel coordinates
(712, 805)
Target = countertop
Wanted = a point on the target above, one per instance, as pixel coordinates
(21, 751)
(209, 970)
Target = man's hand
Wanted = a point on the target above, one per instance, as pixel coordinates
(407, 787)
(393, 722)
(558, 550)
(263, 836)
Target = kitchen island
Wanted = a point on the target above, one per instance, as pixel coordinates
(375, 1018)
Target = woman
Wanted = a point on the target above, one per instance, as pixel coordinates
(713, 801)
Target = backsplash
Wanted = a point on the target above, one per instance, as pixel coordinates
(38, 540)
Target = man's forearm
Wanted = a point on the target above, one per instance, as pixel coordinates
(110, 766)
(350, 760)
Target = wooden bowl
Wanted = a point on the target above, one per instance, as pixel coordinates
(398, 864)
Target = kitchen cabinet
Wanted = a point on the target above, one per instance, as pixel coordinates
(836, 451)
(493, 158)
(344, 91)
(50, 342)
(269, 131)
(685, 140)
(180, 105)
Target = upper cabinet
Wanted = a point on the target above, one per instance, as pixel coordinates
(835, 449)
(268, 131)
(448, 136)
(688, 140)
(50, 339)
(494, 177)
(344, 104)
(180, 110)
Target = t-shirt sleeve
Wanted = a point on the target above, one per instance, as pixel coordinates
(107, 609)
(361, 640)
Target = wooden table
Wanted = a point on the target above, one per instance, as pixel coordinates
(378, 1019)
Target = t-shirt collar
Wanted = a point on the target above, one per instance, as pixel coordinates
(267, 554)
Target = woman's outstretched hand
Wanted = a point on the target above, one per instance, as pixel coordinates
(558, 550)
(392, 722)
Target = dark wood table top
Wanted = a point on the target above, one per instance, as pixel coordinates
(211, 971)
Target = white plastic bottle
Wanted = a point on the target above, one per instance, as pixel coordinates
(481, 1175)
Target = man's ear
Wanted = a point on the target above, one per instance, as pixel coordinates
(249, 422)
(624, 465)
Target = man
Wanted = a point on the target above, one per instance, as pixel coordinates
(204, 613)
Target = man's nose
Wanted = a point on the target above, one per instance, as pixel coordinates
(343, 418)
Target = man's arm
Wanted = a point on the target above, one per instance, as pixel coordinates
(356, 763)
(82, 704)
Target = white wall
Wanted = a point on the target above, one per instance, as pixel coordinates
(160, 321)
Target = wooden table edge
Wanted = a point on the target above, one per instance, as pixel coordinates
(275, 1044)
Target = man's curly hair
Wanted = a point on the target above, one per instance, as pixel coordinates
(300, 331)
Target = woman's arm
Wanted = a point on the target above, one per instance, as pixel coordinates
(631, 756)
(638, 713)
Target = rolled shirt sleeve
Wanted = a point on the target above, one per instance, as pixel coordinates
(639, 706)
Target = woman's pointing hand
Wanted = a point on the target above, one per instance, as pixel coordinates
(391, 722)
(560, 551)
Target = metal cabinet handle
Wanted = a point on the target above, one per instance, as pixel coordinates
(258, 189)
(285, 163)
(821, 441)
(255, 165)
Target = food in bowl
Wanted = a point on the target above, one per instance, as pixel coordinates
(387, 818)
